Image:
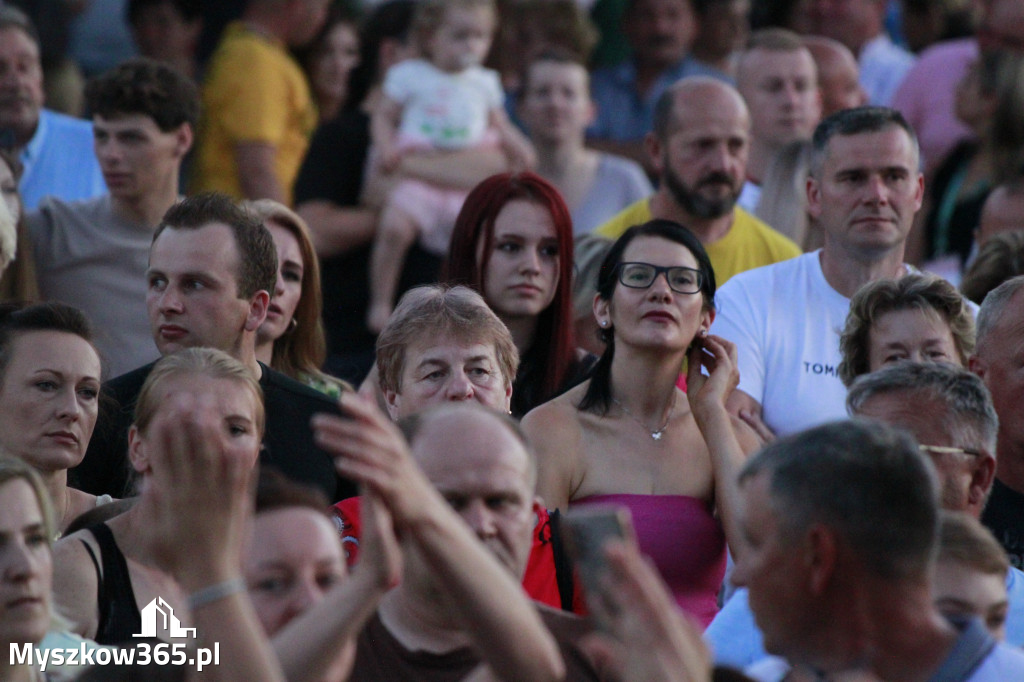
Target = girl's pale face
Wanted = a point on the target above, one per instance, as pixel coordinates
(288, 290)
(522, 274)
(293, 560)
(463, 38)
(49, 399)
(26, 566)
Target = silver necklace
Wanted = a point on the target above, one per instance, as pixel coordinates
(656, 435)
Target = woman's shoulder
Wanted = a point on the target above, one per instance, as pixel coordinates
(556, 415)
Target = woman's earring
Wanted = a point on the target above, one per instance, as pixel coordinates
(293, 324)
(703, 333)
(604, 323)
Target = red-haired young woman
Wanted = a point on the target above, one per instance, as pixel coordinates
(513, 243)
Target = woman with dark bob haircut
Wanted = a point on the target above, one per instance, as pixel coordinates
(513, 243)
(629, 437)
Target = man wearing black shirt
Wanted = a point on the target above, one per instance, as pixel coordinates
(211, 267)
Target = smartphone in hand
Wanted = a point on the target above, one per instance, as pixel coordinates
(585, 532)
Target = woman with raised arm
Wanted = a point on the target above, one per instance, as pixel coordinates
(109, 571)
(629, 437)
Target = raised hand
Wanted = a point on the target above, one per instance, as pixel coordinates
(649, 639)
(369, 448)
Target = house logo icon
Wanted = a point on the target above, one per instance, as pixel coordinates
(158, 619)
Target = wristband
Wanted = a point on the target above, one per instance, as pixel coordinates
(215, 592)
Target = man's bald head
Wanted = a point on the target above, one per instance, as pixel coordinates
(479, 461)
(1003, 210)
(838, 75)
(693, 94)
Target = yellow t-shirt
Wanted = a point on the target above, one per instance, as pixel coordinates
(748, 244)
(254, 92)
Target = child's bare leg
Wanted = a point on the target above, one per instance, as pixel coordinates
(395, 235)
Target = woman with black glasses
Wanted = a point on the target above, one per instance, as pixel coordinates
(629, 437)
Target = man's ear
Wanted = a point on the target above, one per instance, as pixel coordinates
(393, 400)
(258, 305)
(184, 136)
(822, 551)
(653, 147)
(982, 476)
(813, 197)
(977, 365)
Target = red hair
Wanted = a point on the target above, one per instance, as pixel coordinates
(553, 345)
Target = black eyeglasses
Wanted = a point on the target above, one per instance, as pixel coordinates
(642, 275)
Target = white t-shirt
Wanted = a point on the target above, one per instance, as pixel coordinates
(749, 197)
(444, 110)
(785, 320)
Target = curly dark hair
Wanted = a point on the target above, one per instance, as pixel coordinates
(148, 87)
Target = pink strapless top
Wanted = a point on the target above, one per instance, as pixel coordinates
(684, 540)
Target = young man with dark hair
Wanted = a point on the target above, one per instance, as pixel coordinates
(93, 253)
(211, 269)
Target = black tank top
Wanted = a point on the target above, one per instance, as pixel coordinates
(119, 613)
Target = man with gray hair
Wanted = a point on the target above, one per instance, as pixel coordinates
(842, 528)
(785, 319)
(56, 150)
(998, 356)
(949, 412)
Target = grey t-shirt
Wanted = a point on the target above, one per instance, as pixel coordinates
(88, 258)
(618, 183)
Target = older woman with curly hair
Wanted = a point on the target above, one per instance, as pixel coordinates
(917, 317)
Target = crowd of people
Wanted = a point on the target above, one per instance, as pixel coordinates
(479, 340)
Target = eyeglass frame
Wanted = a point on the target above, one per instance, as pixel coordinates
(945, 450)
(659, 270)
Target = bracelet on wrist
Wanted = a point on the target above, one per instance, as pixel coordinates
(215, 592)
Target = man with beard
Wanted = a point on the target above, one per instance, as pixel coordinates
(864, 189)
(699, 149)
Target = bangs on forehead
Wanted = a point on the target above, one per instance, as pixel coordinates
(453, 334)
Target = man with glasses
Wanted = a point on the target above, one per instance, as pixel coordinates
(864, 189)
(950, 413)
(997, 360)
(699, 149)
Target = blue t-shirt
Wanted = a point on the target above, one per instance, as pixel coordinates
(59, 161)
(625, 115)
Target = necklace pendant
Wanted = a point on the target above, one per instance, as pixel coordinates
(656, 435)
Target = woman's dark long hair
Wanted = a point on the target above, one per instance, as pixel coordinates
(551, 355)
(599, 392)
